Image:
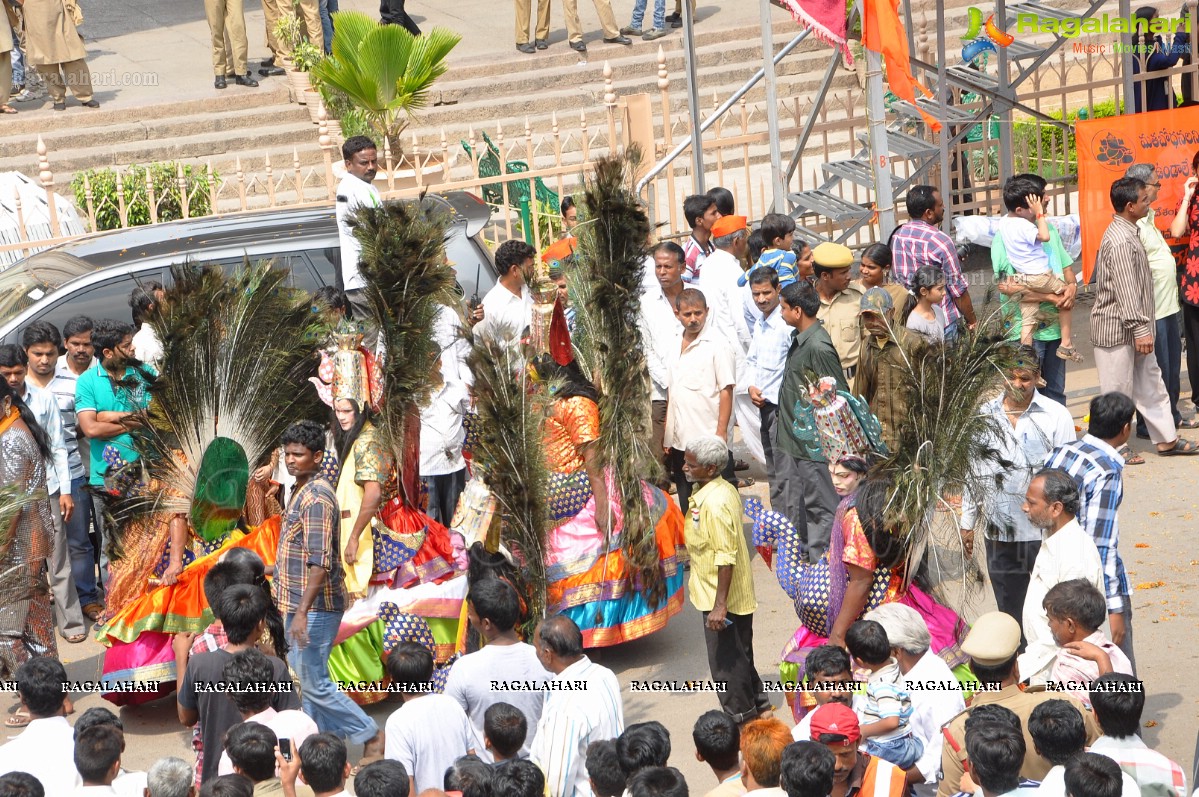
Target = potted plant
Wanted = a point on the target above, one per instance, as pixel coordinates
(304, 57)
(288, 34)
(384, 72)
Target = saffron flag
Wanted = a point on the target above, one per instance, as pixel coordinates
(882, 32)
(826, 18)
(1167, 140)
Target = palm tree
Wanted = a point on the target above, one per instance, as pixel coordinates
(384, 70)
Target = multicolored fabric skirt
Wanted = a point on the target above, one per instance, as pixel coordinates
(138, 635)
(431, 613)
(592, 584)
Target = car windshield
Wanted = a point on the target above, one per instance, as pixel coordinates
(32, 278)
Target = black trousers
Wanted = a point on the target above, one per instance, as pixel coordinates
(731, 660)
(444, 491)
(391, 12)
(1010, 567)
(1190, 333)
(770, 416)
(680, 479)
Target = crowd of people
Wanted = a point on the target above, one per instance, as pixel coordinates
(323, 583)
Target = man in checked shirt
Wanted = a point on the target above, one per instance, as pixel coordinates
(921, 242)
(1098, 469)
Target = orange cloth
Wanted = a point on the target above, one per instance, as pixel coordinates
(727, 225)
(882, 32)
(574, 423)
(560, 250)
(182, 606)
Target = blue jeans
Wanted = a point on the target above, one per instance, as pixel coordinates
(329, 707)
(1167, 348)
(903, 752)
(659, 14)
(79, 542)
(1053, 370)
(18, 63)
(327, 9)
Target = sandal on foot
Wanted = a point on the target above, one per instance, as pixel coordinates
(740, 465)
(74, 639)
(19, 719)
(1069, 353)
(7, 109)
(1129, 457)
(1189, 423)
(1181, 448)
(748, 481)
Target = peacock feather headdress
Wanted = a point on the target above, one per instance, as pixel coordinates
(408, 283)
(510, 452)
(237, 349)
(610, 263)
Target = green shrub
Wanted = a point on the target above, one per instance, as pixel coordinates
(1057, 154)
(166, 194)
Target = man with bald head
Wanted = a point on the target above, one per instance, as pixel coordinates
(582, 705)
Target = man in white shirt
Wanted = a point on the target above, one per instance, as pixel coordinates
(662, 334)
(572, 718)
(1059, 735)
(49, 371)
(98, 760)
(429, 731)
(1066, 553)
(143, 300)
(126, 784)
(764, 365)
(46, 748)
(479, 680)
(1118, 701)
(1027, 426)
(931, 708)
(14, 366)
(508, 307)
(726, 299)
(355, 190)
(701, 388)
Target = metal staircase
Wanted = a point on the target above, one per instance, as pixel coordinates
(823, 206)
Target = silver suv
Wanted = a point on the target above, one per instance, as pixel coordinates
(95, 275)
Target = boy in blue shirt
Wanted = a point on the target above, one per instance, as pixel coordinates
(778, 232)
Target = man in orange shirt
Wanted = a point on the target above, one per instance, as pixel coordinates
(836, 726)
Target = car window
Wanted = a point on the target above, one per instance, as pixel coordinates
(107, 299)
(302, 276)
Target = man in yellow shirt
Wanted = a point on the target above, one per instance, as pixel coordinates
(721, 584)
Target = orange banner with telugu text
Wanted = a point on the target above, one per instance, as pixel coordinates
(1167, 140)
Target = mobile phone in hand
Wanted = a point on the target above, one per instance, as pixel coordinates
(285, 749)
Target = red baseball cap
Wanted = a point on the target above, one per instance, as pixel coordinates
(836, 718)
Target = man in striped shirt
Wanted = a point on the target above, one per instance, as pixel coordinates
(1122, 319)
(587, 708)
(921, 242)
(1098, 469)
(1119, 701)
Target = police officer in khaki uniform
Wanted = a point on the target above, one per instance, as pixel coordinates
(524, 12)
(840, 303)
(992, 646)
(227, 15)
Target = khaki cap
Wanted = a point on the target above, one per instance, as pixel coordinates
(830, 255)
(994, 639)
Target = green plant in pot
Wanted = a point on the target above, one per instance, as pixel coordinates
(289, 34)
(383, 71)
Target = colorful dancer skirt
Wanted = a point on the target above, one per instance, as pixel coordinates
(138, 636)
(592, 584)
(370, 628)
